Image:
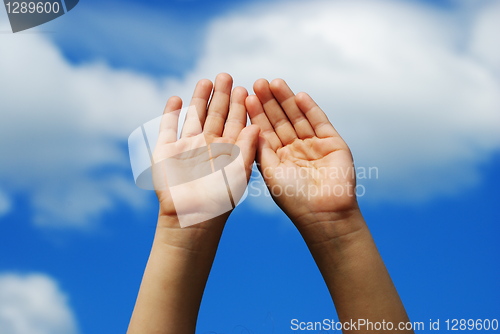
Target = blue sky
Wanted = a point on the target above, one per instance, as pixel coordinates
(412, 87)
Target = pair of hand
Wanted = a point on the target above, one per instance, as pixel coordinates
(309, 171)
(306, 165)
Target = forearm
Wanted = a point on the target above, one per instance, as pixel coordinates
(175, 278)
(354, 272)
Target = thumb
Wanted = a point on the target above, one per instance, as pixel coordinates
(247, 141)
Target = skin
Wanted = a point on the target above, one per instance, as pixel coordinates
(181, 258)
(298, 139)
(294, 144)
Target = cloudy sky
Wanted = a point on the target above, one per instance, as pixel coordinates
(412, 86)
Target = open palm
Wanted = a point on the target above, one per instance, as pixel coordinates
(200, 149)
(307, 166)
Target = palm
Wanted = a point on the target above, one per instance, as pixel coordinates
(307, 166)
(319, 173)
(193, 167)
(190, 174)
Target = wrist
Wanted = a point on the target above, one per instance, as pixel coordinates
(323, 228)
(198, 238)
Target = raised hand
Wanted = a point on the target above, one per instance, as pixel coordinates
(181, 258)
(309, 171)
(194, 156)
(306, 165)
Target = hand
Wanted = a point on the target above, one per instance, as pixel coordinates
(306, 165)
(309, 171)
(222, 121)
(181, 258)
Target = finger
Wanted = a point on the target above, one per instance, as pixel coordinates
(197, 109)
(258, 117)
(276, 115)
(266, 158)
(286, 99)
(317, 118)
(247, 142)
(237, 118)
(170, 120)
(219, 106)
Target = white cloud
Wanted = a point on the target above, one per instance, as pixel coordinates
(401, 81)
(485, 37)
(34, 304)
(60, 125)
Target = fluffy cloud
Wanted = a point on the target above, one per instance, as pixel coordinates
(33, 304)
(484, 38)
(62, 130)
(401, 81)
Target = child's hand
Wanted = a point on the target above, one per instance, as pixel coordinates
(309, 171)
(181, 258)
(307, 166)
(222, 120)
